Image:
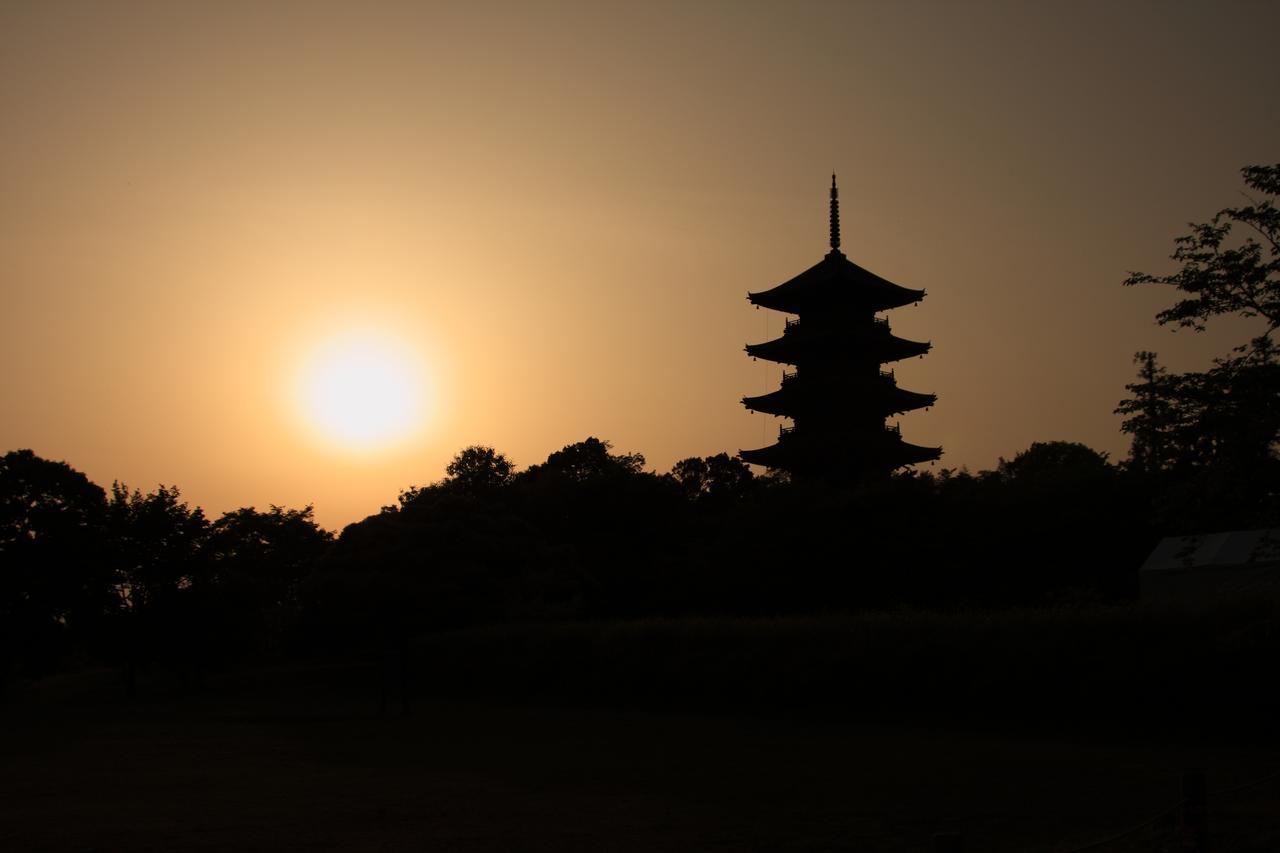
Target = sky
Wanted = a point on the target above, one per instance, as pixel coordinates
(540, 222)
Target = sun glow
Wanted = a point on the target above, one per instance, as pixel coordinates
(363, 391)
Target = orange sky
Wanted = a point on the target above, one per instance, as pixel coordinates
(560, 208)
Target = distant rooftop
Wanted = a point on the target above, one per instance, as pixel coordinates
(1236, 548)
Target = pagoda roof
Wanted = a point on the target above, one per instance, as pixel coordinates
(835, 281)
(792, 453)
(793, 397)
(793, 348)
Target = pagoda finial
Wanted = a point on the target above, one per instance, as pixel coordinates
(835, 215)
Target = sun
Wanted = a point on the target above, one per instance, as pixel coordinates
(363, 391)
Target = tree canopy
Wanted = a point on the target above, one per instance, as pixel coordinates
(54, 586)
(479, 469)
(1220, 276)
(1216, 431)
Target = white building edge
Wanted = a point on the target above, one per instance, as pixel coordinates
(1194, 569)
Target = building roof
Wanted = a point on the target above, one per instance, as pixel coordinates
(795, 453)
(835, 281)
(832, 282)
(1208, 551)
(796, 348)
(793, 398)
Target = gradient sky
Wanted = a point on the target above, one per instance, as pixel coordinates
(560, 208)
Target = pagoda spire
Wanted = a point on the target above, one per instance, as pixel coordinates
(835, 215)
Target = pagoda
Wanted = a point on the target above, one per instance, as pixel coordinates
(837, 394)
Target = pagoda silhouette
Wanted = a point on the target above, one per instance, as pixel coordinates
(837, 394)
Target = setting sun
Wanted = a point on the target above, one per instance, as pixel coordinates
(363, 392)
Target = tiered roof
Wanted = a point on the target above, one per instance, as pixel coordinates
(838, 396)
(795, 394)
(835, 282)
(799, 343)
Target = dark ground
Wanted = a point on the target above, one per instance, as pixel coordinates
(299, 759)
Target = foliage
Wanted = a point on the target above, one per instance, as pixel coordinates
(257, 563)
(1210, 438)
(54, 589)
(479, 469)
(277, 545)
(1221, 279)
(1156, 422)
(156, 544)
(589, 460)
(1053, 463)
(588, 535)
(157, 541)
(715, 478)
(1228, 416)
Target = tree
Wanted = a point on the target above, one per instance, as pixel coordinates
(715, 478)
(1152, 418)
(54, 585)
(589, 460)
(479, 469)
(1055, 464)
(157, 541)
(1226, 418)
(1220, 279)
(257, 563)
(157, 546)
(691, 474)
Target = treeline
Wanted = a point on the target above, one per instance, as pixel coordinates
(140, 579)
(89, 576)
(143, 580)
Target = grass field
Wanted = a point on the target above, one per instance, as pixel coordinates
(299, 759)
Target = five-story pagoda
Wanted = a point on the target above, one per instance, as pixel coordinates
(837, 395)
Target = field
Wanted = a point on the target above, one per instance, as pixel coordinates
(299, 758)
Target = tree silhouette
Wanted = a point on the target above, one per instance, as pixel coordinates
(588, 460)
(714, 478)
(1228, 416)
(1220, 279)
(54, 589)
(157, 547)
(479, 469)
(1053, 464)
(157, 541)
(1152, 419)
(1218, 428)
(257, 562)
(692, 475)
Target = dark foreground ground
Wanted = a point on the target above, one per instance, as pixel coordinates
(283, 760)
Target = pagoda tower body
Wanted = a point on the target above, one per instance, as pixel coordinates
(838, 394)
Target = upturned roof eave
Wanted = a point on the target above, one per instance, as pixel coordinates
(773, 403)
(913, 454)
(801, 303)
(787, 350)
(781, 405)
(896, 455)
(835, 279)
(910, 401)
(773, 456)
